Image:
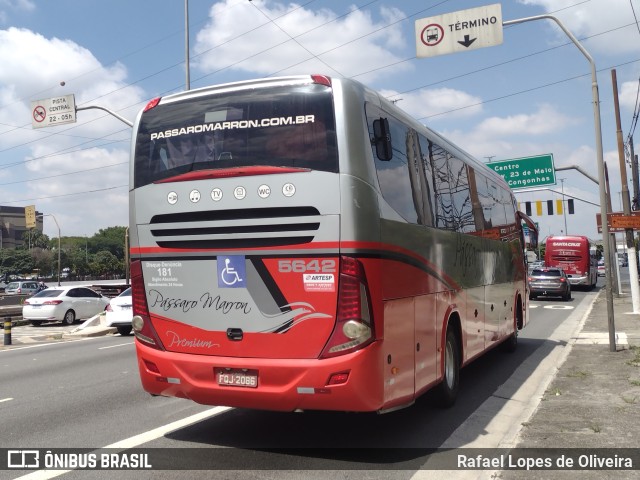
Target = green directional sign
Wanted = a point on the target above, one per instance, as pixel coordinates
(526, 172)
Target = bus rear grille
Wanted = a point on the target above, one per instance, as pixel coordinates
(241, 228)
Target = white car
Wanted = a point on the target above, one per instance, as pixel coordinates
(63, 304)
(120, 312)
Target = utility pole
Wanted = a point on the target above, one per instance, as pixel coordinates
(611, 261)
(635, 205)
(186, 45)
(634, 174)
(626, 204)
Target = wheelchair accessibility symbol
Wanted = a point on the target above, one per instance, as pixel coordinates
(231, 271)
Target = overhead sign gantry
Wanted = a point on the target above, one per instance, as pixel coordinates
(459, 31)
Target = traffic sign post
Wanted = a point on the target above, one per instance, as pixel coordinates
(526, 172)
(427, 45)
(30, 216)
(459, 31)
(619, 222)
(53, 111)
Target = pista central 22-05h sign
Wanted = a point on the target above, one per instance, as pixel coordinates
(526, 172)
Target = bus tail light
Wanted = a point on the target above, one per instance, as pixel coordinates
(152, 104)
(354, 325)
(321, 79)
(141, 321)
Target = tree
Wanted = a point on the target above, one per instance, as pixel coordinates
(35, 238)
(78, 260)
(109, 239)
(106, 263)
(16, 262)
(44, 261)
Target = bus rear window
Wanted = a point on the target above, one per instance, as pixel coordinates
(267, 127)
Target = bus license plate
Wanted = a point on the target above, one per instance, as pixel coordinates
(236, 377)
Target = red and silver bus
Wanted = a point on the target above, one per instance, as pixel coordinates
(300, 243)
(576, 256)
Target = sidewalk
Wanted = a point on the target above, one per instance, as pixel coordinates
(594, 399)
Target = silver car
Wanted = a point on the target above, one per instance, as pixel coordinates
(21, 287)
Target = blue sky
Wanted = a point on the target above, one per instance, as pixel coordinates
(529, 96)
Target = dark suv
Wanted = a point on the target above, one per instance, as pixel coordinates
(550, 281)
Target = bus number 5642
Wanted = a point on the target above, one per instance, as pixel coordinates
(303, 266)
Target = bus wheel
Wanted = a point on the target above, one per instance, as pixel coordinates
(511, 344)
(448, 389)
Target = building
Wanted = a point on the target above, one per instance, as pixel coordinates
(13, 226)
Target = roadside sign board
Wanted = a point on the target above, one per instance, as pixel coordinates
(526, 172)
(619, 222)
(30, 216)
(459, 31)
(53, 111)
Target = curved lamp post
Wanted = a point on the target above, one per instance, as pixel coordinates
(59, 249)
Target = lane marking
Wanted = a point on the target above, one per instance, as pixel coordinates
(5, 399)
(47, 344)
(136, 440)
(114, 346)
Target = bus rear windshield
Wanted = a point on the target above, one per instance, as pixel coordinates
(276, 126)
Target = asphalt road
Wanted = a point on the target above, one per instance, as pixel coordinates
(86, 394)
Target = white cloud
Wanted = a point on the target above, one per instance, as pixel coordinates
(72, 158)
(437, 102)
(516, 136)
(546, 120)
(629, 94)
(6, 5)
(584, 19)
(266, 38)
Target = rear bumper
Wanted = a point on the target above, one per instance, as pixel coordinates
(40, 315)
(283, 384)
(576, 280)
(548, 290)
(115, 319)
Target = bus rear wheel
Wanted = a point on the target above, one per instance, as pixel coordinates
(448, 389)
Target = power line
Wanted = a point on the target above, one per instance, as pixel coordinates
(636, 108)
(63, 174)
(634, 14)
(395, 63)
(520, 92)
(65, 194)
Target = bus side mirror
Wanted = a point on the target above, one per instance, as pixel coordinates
(533, 239)
(382, 139)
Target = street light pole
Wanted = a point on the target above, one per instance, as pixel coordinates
(564, 210)
(600, 163)
(59, 249)
(186, 45)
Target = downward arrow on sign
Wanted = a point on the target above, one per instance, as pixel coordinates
(467, 42)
